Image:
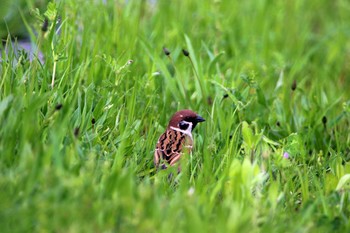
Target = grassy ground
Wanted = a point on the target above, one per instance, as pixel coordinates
(271, 79)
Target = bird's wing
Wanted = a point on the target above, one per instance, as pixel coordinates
(170, 147)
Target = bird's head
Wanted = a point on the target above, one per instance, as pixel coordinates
(184, 119)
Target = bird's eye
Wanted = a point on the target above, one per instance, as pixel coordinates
(183, 125)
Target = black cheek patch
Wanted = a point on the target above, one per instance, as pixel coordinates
(183, 125)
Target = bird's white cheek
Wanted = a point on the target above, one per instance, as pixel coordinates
(188, 131)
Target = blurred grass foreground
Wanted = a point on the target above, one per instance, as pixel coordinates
(87, 87)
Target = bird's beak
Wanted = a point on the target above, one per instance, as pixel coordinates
(200, 119)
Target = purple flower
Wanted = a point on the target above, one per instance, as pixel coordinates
(286, 155)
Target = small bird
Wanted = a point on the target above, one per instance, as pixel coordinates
(177, 139)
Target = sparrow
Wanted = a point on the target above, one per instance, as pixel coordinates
(177, 139)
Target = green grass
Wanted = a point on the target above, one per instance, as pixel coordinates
(269, 78)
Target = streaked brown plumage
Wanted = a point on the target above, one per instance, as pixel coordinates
(177, 139)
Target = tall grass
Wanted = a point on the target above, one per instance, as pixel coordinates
(271, 79)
